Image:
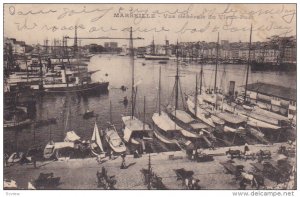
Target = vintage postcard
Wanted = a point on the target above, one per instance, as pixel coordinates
(149, 96)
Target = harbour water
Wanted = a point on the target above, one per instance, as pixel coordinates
(68, 109)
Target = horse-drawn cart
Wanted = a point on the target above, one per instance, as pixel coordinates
(271, 171)
(186, 176)
(232, 168)
(46, 181)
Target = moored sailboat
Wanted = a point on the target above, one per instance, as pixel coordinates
(112, 137)
(96, 142)
(134, 129)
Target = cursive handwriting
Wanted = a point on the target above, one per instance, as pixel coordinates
(25, 25)
(211, 19)
(185, 28)
(287, 15)
(71, 12)
(12, 11)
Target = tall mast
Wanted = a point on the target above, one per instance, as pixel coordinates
(159, 89)
(110, 113)
(196, 95)
(33, 135)
(27, 74)
(144, 113)
(50, 134)
(75, 41)
(17, 142)
(153, 46)
(150, 172)
(63, 63)
(176, 79)
(41, 71)
(201, 74)
(248, 63)
(132, 65)
(217, 61)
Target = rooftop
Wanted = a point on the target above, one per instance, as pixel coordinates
(274, 90)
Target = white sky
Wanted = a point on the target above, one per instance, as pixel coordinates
(267, 20)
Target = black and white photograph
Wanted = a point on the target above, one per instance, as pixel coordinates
(149, 96)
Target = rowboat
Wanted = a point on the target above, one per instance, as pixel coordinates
(114, 140)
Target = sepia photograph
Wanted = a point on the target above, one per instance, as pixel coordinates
(149, 96)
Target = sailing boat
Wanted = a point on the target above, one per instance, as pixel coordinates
(166, 129)
(195, 110)
(55, 150)
(96, 143)
(233, 123)
(155, 56)
(256, 117)
(131, 124)
(81, 84)
(34, 151)
(113, 139)
(49, 150)
(16, 156)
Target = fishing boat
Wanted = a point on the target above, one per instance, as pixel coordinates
(96, 143)
(14, 124)
(186, 122)
(88, 114)
(134, 129)
(89, 88)
(257, 117)
(114, 140)
(15, 157)
(71, 80)
(163, 138)
(34, 151)
(49, 150)
(199, 113)
(154, 56)
(166, 129)
(162, 62)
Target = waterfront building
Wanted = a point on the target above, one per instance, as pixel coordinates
(279, 99)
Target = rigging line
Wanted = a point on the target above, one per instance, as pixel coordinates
(182, 97)
(172, 95)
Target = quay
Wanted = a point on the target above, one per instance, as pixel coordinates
(81, 173)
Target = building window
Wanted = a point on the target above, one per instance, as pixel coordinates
(276, 98)
(292, 112)
(293, 103)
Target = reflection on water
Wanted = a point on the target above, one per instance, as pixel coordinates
(68, 109)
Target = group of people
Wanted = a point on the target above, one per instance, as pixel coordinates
(105, 181)
(192, 183)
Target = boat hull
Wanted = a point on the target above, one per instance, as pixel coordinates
(156, 57)
(114, 141)
(15, 157)
(94, 88)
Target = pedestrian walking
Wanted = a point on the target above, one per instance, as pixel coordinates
(99, 159)
(136, 154)
(242, 185)
(5, 160)
(123, 164)
(33, 159)
(246, 148)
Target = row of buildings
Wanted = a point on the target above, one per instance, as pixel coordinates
(275, 50)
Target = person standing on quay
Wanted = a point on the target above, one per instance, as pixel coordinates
(33, 159)
(246, 148)
(123, 164)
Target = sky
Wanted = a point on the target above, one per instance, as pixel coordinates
(33, 23)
